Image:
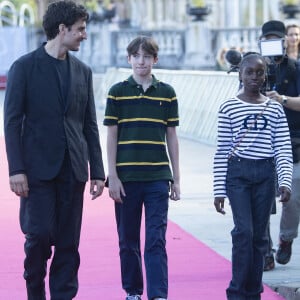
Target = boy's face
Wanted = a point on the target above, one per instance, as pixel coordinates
(142, 62)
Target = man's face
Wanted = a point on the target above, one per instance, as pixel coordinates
(71, 38)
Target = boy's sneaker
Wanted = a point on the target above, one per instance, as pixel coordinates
(133, 297)
(159, 299)
(284, 252)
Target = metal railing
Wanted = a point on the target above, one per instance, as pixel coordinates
(199, 94)
(171, 46)
(106, 47)
(244, 38)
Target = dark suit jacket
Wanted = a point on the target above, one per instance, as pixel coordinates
(39, 127)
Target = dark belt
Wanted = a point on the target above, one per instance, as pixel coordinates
(238, 158)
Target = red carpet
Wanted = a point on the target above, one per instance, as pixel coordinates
(195, 271)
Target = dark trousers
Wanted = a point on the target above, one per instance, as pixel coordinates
(51, 216)
(155, 199)
(250, 189)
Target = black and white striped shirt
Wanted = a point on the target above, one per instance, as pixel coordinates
(253, 131)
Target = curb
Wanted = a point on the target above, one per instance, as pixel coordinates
(291, 291)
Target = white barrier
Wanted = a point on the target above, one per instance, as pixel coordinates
(13, 44)
(199, 94)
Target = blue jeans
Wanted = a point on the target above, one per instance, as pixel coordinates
(154, 196)
(250, 189)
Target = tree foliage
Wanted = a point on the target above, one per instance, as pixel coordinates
(18, 3)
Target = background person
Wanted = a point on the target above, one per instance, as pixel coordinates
(248, 122)
(293, 41)
(51, 133)
(142, 115)
(286, 90)
(221, 63)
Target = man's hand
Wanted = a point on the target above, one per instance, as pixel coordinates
(285, 194)
(175, 191)
(19, 185)
(219, 205)
(274, 96)
(96, 188)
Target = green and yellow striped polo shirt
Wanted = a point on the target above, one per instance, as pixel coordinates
(142, 119)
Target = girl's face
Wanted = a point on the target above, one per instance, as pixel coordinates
(142, 62)
(293, 36)
(253, 73)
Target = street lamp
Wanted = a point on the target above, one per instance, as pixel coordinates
(290, 8)
(199, 9)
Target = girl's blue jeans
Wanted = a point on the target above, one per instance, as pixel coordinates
(250, 189)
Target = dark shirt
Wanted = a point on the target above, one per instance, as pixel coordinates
(289, 85)
(62, 71)
(62, 68)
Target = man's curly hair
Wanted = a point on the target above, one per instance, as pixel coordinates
(62, 12)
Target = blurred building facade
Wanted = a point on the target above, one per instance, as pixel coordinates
(190, 33)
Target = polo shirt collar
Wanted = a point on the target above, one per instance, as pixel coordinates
(134, 83)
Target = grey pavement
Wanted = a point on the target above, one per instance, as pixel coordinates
(196, 214)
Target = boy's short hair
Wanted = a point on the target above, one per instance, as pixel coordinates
(62, 12)
(147, 43)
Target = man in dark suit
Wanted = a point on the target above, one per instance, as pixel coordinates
(51, 135)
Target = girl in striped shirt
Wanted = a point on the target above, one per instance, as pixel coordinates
(253, 144)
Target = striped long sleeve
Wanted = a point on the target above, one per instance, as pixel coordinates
(246, 132)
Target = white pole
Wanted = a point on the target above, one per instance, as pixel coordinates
(252, 13)
(232, 11)
(266, 10)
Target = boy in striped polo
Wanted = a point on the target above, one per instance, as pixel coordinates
(142, 115)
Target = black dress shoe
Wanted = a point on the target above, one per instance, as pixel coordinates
(284, 252)
(269, 263)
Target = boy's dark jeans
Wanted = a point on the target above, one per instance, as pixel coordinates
(154, 197)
